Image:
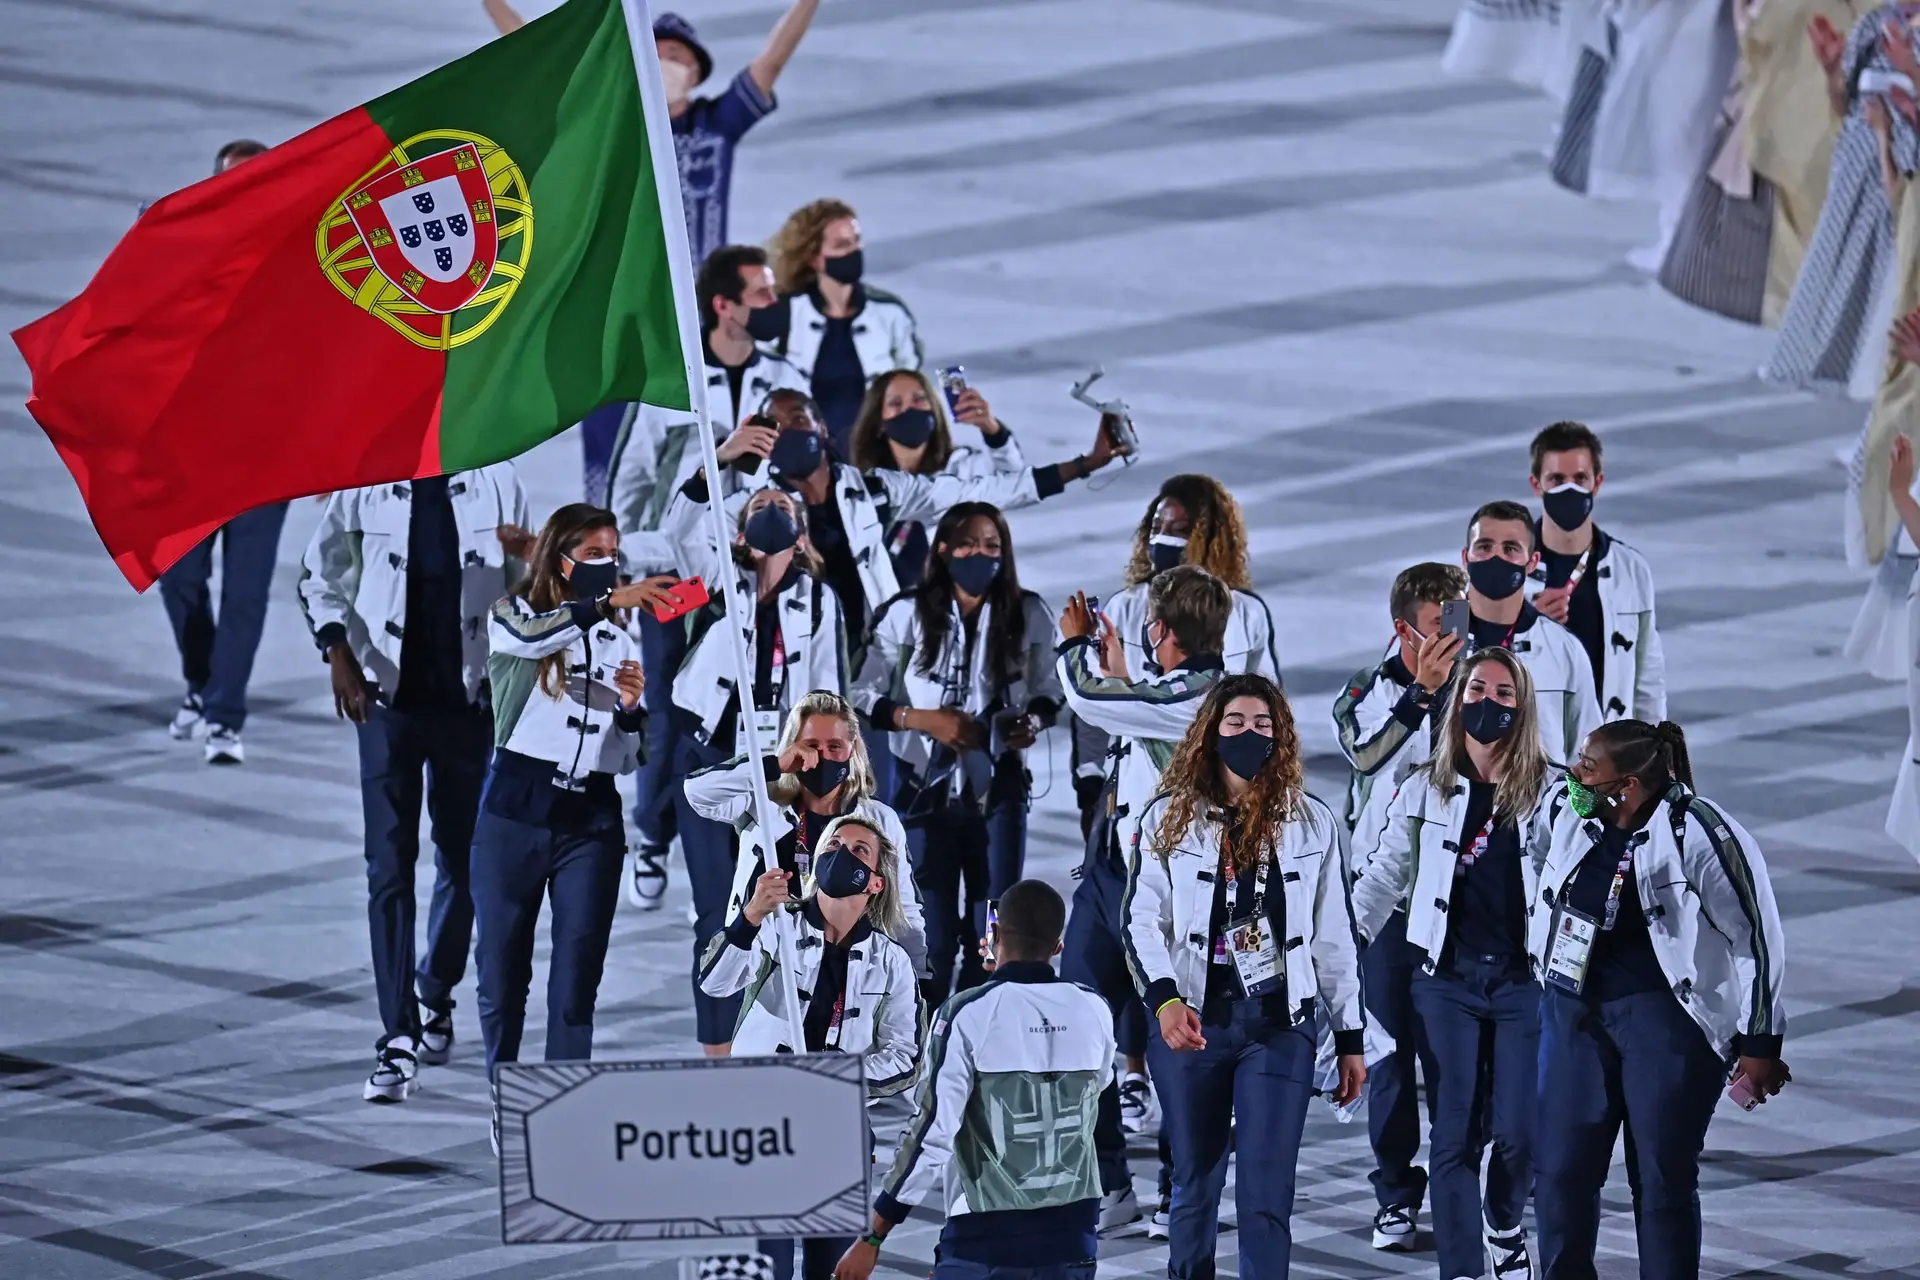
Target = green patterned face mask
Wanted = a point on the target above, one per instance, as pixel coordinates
(1584, 800)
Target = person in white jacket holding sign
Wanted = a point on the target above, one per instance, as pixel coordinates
(1656, 933)
(1453, 849)
(1240, 939)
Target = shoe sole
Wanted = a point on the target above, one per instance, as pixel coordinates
(436, 1057)
(1393, 1244)
(225, 759)
(388, 1094)
(1112, 1228)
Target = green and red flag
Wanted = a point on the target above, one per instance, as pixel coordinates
(439, 279)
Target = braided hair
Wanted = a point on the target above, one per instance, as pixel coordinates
(1656, 754)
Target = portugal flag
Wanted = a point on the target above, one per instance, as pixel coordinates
(439, 279)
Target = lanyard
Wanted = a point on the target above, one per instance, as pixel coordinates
(1231, 877)
(1620, 874)
(777, 665)
(1579, 572)
(1475, 848)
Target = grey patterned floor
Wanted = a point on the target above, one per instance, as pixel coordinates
(1315, 267)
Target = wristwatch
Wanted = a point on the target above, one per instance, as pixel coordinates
(874, 1239)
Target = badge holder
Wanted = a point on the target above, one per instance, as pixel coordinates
(1255, 954)
(766, 726)
(1570, 949)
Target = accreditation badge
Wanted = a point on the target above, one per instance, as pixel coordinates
(1570, 949)
(766, 728)
(1251, 946)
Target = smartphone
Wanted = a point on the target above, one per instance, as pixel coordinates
(953, 380)
(1454, 617)
(749, 463)
(1744, 1094)
(1093, 606)
(986, 934)
(686, 596)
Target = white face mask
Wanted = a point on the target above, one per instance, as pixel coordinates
(679, 80)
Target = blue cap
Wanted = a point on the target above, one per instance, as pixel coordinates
(671, 26)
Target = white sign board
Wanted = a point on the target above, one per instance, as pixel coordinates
(686, 1148)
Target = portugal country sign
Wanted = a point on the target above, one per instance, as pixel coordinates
(368, 302)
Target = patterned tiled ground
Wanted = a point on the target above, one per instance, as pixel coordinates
(1315, 267)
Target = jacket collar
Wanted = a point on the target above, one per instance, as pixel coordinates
(810, 912)
(1024, 971)
(713, 361)
(1601, 541)
(1202, 662)
(820, 303)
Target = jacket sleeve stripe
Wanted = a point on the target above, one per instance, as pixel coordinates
(1141, 979)
(1370, 755)
(529, 627)
(1733, 860)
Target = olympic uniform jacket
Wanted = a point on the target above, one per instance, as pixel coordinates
(583, 731)
(1005, 1104)
(880, 1004)
(813, 635)
(884, 336)
(1144, 719)
(960, 676)
(724, 793)
(656, 452)
(1634, 675)
(1562, 683)
(1412, 861)
(1385, 734)
(1249, 645)
(353, 577)
(1710, 912)
(1168, 916)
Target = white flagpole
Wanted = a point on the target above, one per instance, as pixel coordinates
(666, 178)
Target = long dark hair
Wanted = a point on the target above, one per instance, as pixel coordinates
(867, 445)
(545, 588)
(933, 598)
(1192, 776)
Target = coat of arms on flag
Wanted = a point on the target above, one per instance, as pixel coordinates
(434, 239)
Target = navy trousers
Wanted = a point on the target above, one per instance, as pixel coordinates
(709, 850)
(577, 869)
(1260, 1070)
(1393, 1100)
(1482, 1020)
(960, 1269)
(396, 749)
(1639, 1062)
(216, 655)
(818, 1256)
(663, 646)
(963, 858)
(1092, 954)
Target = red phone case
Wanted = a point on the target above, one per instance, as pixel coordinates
(687, 596)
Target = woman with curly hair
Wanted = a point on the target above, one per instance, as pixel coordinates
(837, 330)
(1194, 520)
(1240, 940)
(903, 427)
(1453, 848)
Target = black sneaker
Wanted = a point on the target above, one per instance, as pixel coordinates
(436, 1037)
(1393, 1227)
(395, 1069)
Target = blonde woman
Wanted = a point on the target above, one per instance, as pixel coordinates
(1453, 848)
(1240, 941)
(819, 773)
(903, 426)
(860, 990)
(840, 331)
(796, 642)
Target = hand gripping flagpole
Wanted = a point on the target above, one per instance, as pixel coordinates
(666, 179)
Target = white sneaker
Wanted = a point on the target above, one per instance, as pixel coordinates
(1394, 1227)
(394, 1072)
(647, 877)
(187, 721)
(436, 1037)
(1507, 1255)
(1160, 1225)
(223, 746)
(1139, 1108)
(1118, 1209)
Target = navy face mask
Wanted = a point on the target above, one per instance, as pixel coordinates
(973, 574)
(770, 530)
(1567, 506)
(825, 775)
(1486, 721)
(1494, 578)
(1246, 752)
(847, 267)
(591, 579)
(768, 324)
(837, 873)
(1165, 550)
(796, 454)
(910, 428)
